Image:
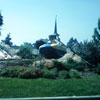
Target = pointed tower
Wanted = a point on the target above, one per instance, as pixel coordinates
(55, 29)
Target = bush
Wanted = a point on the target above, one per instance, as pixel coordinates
(63, 74)
(74, 74)
(20, 72)
(98, 69)
(71, 64)
(46, 73)
(4, 73)
(12, 71)
(59, 66)
(28, 73)
(25, 52)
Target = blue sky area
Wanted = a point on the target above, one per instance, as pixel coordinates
(30, 20)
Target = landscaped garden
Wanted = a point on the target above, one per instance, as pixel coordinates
(48, 78)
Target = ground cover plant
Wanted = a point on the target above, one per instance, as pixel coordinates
(18, 88)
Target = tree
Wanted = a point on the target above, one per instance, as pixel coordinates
(8, 40)
(88, 51)
(25, 51)
(99, 23)
(96, 41)
(40, 42)
(1, 19)
(72, 44)
(96, 36)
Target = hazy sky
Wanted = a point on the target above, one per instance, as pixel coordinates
(30, 20)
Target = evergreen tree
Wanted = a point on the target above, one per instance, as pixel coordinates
(99, 24)
(96, 41)
(96, 36)
(88, 51)
(1, 19)
(72, 44)
(8, 40)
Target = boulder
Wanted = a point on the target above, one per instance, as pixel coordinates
(36, 63)
(49, 63)
(67, 56)
(77, 58)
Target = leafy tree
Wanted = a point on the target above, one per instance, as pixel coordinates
(8, 40)
(25, 51)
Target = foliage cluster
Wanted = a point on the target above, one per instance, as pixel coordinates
(98, 69)
(58, 71)
(71, 64)
(19, 72)
(25, 51)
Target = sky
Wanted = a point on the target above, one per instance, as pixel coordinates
(31, 20)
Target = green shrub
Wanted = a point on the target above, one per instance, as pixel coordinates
(71, 64)
(12, 71)
(59, 66)
(19, 72)
(98, 69)
(28, 73)
(4, 72)
(74, 73)
(81, 66)
(25, 52)
(63, 74)
(52, 73)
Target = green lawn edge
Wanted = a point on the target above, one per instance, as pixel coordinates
(23, 88)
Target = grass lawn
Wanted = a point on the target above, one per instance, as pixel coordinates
(13, 88)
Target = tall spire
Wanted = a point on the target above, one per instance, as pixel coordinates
(55, 29)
